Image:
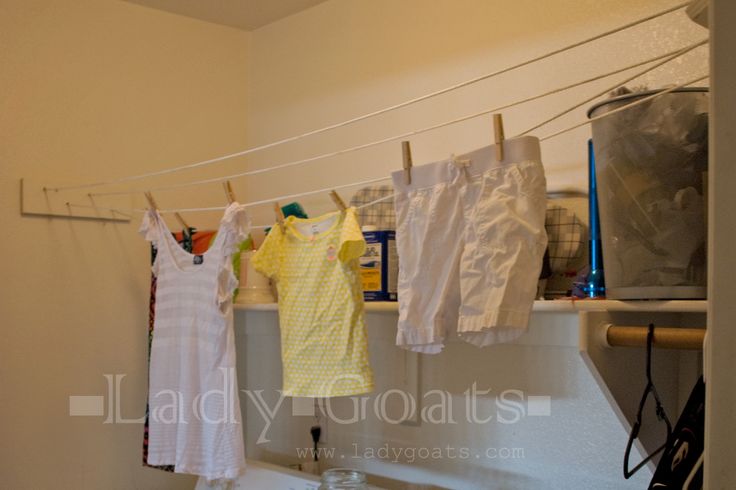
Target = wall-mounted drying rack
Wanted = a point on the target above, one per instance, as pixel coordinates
(37, 200)
(64, 201)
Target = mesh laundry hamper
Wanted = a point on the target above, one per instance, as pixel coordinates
(651, 167)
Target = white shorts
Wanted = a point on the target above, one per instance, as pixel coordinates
(470, 237)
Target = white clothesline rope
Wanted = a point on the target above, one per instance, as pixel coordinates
(613, 87)
(641, 101)
(248, 205)
(627, 106)
(665, 58)
(374, 113)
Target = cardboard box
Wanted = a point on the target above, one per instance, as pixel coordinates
(379, 266)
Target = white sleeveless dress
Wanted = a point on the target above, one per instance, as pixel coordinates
(195, 421)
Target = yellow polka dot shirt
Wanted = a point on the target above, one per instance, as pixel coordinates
(314, 262)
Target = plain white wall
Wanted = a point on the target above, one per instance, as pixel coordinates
(95, 89)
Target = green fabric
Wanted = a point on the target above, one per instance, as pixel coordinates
(244, 246)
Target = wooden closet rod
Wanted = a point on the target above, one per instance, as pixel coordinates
(664, 337)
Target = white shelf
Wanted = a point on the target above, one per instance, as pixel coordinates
(551, 306)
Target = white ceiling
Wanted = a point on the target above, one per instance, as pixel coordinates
(242, 14)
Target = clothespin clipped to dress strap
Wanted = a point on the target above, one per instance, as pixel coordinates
(338, 201)
(154, 206)
(498, 135)
(279, 215)
(406, 154)
(151, 201)
(229, 191)
(183, 223)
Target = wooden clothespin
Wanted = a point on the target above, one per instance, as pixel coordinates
(229, 191)
(406, 154)
(279, 215)
(184, 225)
(338, 201)
(151, 201)
(498, 135)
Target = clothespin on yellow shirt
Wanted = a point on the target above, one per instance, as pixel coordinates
(338, 201)
(498, 135)
(279, 215)
(406, 154)
(229, 192)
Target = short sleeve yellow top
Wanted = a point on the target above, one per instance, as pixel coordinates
(314, 262)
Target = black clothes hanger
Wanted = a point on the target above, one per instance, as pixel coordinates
(661, 415)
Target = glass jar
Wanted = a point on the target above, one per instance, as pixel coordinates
(343, 479)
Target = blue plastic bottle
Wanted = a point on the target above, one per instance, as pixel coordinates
(595, 285)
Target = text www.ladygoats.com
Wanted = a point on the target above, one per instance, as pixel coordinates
(394, 454)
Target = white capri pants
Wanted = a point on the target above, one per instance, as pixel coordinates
(470, 236)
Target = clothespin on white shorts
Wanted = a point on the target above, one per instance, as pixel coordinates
(498, 135)
(406, 154)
